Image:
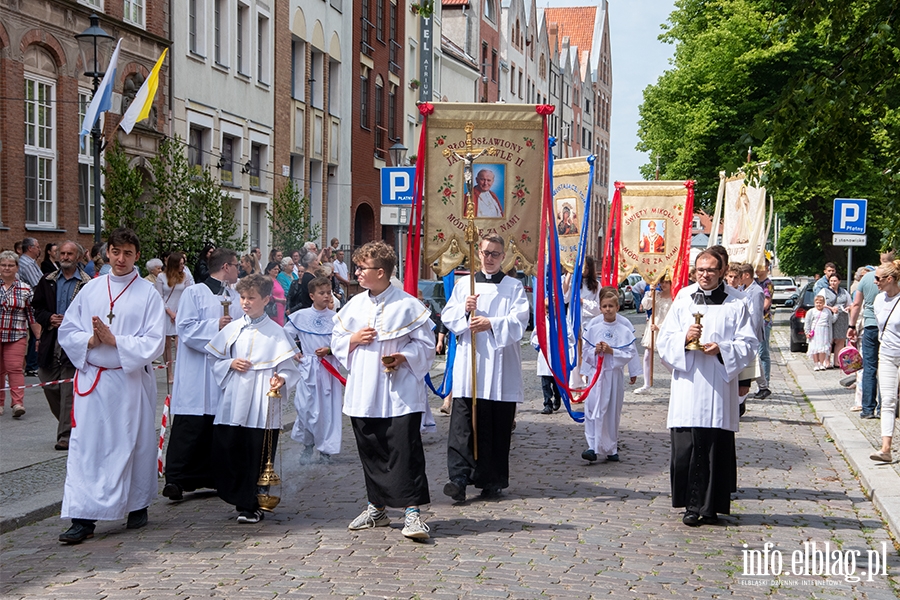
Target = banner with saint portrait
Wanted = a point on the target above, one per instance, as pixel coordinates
(571, 181)
(744, 227)
(504, 145)
(652, 236)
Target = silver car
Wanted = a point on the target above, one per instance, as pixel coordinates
(785, 288)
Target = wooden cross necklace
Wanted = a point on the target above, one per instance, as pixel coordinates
(112, 301)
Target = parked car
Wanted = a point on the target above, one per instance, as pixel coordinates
(626, 298)
(801, 303)
(785, 288)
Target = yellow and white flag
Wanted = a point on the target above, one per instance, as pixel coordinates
(143, 100)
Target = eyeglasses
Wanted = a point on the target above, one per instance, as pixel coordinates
(235, 265)
(494, 255)
(358, 268)
(707, 271)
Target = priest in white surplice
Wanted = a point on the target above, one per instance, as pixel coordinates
(385, 402)
(195, 393)
(111, 332)
(704, 402)
(497, 316)
(250, 356)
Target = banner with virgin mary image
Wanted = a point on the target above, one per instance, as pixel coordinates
(744, 228)
(652, 231)
(503, 145)
(571, 180)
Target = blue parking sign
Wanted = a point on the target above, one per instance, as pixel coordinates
(849, 216)
(397, 185)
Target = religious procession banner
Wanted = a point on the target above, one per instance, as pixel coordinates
(505, 147)
(571, 183)
(744, 228)
(654, 230)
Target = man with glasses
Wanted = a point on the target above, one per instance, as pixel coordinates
(864, 300)
(703, 401)
(496, 316)
(202, 312)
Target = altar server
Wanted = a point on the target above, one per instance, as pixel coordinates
(496, 316)
(111, 333)
(251, 355)
(383, 338)
(318, 395)
(203, 311)
(704, 403)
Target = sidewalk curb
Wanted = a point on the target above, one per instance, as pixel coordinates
(880, 482)
(47, 505)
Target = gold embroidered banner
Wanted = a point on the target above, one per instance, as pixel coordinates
(571, 177)
(506, 186)
(744, 221)
(652, 224)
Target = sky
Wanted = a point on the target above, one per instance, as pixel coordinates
(638, 59)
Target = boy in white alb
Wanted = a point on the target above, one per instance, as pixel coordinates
(251, 356)
(383, 338)
(319, 392)
(613, 340)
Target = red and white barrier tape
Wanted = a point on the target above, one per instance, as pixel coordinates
(162, 435)
(57, 382)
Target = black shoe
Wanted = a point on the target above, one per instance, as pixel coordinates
(762, 394)
(77, 533)
(173, 491)
(589, 455)
(612, 457)
(137, 519)
(491, 492)
(742, 409)
(713, 520)
(31, 374)
(691, 519)
(865, 415)
(557, 403)
(547, 411)
(456, 489)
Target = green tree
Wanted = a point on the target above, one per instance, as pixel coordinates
(122, 198)
(290, 220)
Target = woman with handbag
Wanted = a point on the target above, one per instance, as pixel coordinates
(886, 276)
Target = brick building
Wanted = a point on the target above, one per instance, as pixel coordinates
(46, 175)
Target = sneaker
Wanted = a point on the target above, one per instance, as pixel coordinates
(456, 489)
(77, 533)
(31, 373)
(250, 516)
(642, 390)
(18, 411)
(867, 415)
(414, 528)
(369, 519)
(589, 455)
(137, 519)
(548, 410)
(762, 394)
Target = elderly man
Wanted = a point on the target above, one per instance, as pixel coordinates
(30, 272)
(703, 401)
(487, 204)
(52, 297)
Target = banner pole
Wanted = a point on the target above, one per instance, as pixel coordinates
(652, 333)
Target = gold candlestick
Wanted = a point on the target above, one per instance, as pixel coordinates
(226, 305)
(695, 344)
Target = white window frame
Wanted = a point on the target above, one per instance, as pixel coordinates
(45, 199)
(98, 4)
(130, 7)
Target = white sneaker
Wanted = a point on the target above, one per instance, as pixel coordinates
(414, 528)
(642, 390)
(369, 519)
(250, 516)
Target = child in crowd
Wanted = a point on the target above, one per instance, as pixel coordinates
(384, 338)
(818, 332)
(252, 355)
(614, 341)
(318, 397)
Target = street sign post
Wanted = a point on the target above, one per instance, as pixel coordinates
(848, 224)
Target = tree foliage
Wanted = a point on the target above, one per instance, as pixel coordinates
(290, 220)
(122, 196)
(811, 85)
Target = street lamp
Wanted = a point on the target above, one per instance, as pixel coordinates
(96, 46)
(398, 154)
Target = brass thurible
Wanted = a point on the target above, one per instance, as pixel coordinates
(268, 477)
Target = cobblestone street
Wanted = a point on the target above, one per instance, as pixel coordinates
(564, 528)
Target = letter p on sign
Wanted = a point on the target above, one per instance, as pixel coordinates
(849, 216)
(399, 184)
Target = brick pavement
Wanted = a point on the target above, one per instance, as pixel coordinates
(565, 529)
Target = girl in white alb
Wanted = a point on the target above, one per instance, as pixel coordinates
(614, 341)
(817, 327)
